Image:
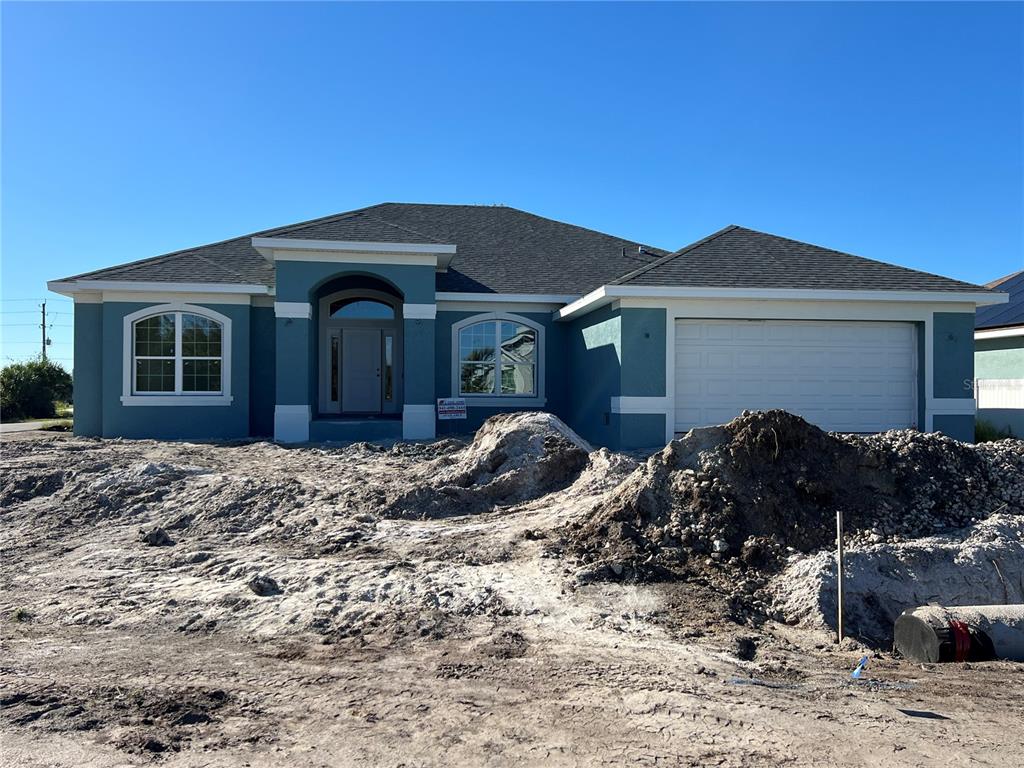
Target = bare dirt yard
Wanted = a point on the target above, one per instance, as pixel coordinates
(510, 599)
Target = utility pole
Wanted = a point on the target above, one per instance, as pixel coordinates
(43, 326)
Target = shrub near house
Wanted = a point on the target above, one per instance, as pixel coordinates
(30, 390)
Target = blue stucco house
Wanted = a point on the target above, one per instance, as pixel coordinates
(353, 326)
(999, 357)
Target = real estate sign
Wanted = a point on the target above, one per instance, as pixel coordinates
(451, 408)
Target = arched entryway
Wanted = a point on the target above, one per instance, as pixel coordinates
(359, 348)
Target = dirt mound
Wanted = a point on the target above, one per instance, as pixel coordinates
(744, 493)
(979, 565)
(513, 457)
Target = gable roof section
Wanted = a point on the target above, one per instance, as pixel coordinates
(499, 250)
(737, 257)
(1004, 315)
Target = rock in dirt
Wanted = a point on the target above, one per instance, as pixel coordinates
(769, 480)
(155, 537)
(264, 586)
(513, 457)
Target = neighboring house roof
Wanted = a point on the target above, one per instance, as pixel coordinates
(1004, 315)
(499, 250)
(737, 257)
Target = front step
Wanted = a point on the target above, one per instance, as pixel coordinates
(354, 430)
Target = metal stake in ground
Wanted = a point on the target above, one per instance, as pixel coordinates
(839, 576)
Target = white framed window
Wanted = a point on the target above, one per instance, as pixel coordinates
(177, 354)
(498, 358)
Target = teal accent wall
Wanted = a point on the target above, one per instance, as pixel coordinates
(959, 427)
(613, 353)
(299, 280)
(555, 369)
(995, 358)
(595, 375)
(293, 361)
(642, 351)
(262, 373)
(640, 430)
(953, 355)
(420, 353)
(204, 422)
(88, 371)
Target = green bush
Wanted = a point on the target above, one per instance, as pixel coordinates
(987, 432)
(30, 390)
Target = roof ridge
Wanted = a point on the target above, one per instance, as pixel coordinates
(576, 226)
(857, 256)
(669, 256)
(403, 228)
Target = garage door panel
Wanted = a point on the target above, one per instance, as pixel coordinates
(843, 376)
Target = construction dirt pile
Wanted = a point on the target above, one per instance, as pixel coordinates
(513, 457)
(982, 564)
(747, 494)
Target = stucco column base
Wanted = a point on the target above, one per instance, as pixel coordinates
(291, 423)
(418, 422)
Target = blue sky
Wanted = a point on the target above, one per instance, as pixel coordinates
(131, 129)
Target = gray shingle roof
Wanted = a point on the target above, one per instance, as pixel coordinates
(500, 250)
(1003, 315)
(736, 257)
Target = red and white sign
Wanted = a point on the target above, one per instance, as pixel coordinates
(451, 408)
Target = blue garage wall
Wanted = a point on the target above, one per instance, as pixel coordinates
(262, 371)
(88, 372)
(555, 368)
(959, 427)
(174, 422)
(953, 354)
(643, 354)
(595, 374)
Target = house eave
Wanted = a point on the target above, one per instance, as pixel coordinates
(287, 248)
(606, 294)
(998, 333)
(72, 288)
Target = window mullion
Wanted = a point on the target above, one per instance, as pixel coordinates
(497, 358)
(178, 365)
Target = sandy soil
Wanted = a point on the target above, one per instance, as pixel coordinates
(383, 639)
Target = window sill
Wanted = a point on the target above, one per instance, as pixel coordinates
(176, 400)
(489, 401)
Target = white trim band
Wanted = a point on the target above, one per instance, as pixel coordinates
(998, 333)
(291, 423)
(299, 310)
(70, 287)
(293, 244)
(508, 298)
(951, 406)
(418, 422)
(419, 311)
(608, 293)
(640, 405)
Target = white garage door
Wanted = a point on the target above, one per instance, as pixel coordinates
(843, 376)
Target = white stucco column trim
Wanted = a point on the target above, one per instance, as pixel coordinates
(291, 423)
(418, 422)
(293, 309)
(419, 311)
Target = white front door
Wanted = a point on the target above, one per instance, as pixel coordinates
(843, 376)
(360, 370)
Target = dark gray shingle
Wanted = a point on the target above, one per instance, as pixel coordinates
(736, 257)
(500, 250)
